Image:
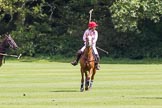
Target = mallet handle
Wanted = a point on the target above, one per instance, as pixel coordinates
(90, 14)
(10, 55)
(103, 50)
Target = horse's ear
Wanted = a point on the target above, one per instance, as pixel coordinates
(7, 35)
(2, 36)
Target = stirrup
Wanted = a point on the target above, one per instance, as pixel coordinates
(74, 63)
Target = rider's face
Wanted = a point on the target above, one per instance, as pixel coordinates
(93, 28)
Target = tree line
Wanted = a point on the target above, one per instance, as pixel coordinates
(127, 28)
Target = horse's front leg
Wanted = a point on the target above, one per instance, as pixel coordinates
(88, 79)
(82, 80)
(0, 63)
(90, 74)
(92, 78)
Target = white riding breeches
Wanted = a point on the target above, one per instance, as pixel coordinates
(94, 49)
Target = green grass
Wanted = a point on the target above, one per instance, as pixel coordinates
(46, 84)
(104, 60)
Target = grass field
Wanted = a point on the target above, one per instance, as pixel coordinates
(56, 85)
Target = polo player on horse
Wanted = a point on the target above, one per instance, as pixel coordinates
(91, 31)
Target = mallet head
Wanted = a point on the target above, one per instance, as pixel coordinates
(19, 56)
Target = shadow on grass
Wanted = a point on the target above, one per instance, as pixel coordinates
(65, 91)
(150, 97)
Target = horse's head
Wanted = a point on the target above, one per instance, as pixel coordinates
(6, 42)
(89, 41)
(9, 42)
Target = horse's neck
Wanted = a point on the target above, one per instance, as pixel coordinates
(3, 46)
(88, 53)
(2, 49)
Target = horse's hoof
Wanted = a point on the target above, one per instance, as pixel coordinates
(81, 89)
(86, 88)
(90, 87)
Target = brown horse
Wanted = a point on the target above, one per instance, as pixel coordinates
(6, 42)
(87, 63)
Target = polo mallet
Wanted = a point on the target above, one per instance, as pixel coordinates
(103, 50)
(16, 56)
(90, 14)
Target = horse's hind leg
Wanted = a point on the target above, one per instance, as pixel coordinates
(82, 81)
(87, 85)
(90, 85)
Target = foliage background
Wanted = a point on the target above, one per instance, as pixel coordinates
(131, 29)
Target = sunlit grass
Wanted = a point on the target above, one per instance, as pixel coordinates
(44, 84)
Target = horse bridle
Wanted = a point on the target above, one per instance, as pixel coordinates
(89, 41)
(11, 41)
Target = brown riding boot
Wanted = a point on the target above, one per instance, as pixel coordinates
(97, 66)
(97, 62)
(78, 55)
